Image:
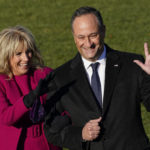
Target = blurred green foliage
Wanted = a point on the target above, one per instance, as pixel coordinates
(127, 26)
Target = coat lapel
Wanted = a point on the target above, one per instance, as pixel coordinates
(78, 72)
(113, 66)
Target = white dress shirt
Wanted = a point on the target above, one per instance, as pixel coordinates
(101, 69)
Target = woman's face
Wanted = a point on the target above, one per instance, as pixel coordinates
(20, 61)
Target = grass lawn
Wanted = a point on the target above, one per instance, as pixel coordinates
(127, 26)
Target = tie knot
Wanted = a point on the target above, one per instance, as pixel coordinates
(94, 66)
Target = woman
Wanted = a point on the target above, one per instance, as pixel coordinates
(21, 68)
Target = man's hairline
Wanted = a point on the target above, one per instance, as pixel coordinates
(83, 15)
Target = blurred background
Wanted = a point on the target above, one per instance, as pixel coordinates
(127, 27)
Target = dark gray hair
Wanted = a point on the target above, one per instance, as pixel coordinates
(87, 10)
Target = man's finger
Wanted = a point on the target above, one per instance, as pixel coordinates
(94, 127)
(139, 63)
(146, 49)
(96, 120)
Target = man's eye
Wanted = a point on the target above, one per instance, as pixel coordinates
(81, 37)
(93, 35)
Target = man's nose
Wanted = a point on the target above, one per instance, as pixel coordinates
(88, 42)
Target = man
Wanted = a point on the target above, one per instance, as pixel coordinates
(102, 90)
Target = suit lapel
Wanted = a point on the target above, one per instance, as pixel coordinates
(111, 73)
(78, 72)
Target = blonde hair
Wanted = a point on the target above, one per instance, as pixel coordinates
(10, 39)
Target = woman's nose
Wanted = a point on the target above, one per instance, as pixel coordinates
(25, 57)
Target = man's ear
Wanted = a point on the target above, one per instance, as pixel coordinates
(74, 37)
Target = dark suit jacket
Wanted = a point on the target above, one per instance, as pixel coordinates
(126, 85)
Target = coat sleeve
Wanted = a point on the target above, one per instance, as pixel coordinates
(70, 136)
(145, 91)
(10, 113)
(144, 86)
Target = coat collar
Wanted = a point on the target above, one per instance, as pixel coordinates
(78, 72)
(113, 66)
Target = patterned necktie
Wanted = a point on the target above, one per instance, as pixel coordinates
(95, 83)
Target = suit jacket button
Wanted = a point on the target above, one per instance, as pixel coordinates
(104, 139)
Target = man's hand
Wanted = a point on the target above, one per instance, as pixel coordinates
(91, 129)
(145, 66)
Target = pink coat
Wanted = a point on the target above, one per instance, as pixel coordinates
(16, 130)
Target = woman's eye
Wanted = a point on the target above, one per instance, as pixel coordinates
(18, 53)
(29, 51)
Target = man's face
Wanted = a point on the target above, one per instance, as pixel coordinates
(87, 36)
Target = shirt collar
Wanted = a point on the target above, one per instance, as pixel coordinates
(101, 59)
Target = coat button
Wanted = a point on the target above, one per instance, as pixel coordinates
(104, 139)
